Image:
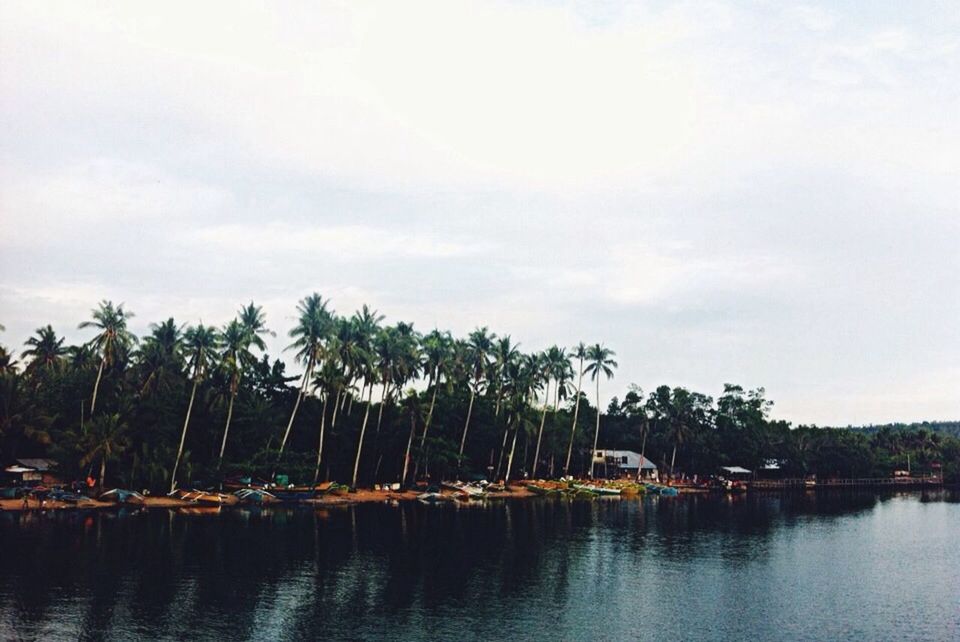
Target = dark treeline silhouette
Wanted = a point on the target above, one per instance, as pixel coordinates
(379, 403)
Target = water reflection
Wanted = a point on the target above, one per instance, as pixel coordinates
(814, 565)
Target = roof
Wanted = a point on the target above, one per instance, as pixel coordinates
(18, 469)
(735, 470)
(38, 464)
(633, 458)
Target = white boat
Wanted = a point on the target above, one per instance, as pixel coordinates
(599, 490)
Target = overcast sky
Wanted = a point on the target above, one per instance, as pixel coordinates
(720, 192)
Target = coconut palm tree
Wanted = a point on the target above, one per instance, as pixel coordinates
(251, 316)
(105, 439)
(556, 367)
(314, 326)
(437, 348)
(46, 350)
(159, 359)
(480, 345)
(366, 326)
(236, 338)
(579, 353)
(201, 343)
(112, 338)
(599, 362)
(505, 353)
(414, 411)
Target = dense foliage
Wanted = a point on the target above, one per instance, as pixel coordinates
(379, 403)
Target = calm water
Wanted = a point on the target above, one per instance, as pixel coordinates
(814, 567)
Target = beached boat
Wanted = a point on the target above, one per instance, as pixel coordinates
(121, 496)
(466, 490)
(657, 489)
(597, 490)
(204, 497)
(255, 496)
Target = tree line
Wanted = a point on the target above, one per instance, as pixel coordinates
(377, 403)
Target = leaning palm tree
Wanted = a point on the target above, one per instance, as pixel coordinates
(46, 350)
(313, 327)
(201, 343)
(112, 339)
(160, 359)
(579, 353)
(480, 345)
(236, 357)
(556, 367)
(437, 349)
(599, 361)
(105, 439)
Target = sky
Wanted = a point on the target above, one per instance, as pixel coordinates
(754, 192)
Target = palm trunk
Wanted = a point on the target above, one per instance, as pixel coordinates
(503, 450)
(543, 420)
(96, 386)
(296, 406)
(643, 450)
(573, 429)
(183, 438)
(103, 469)
(426, 426)
(323, 422)
(336, 406)
(673, 458)
(406, 455)
(363, 429)
(513, 447)
(383, 402)
(466, 426)
(226, 429)
(596, 433)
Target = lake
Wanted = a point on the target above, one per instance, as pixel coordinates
(815, 566)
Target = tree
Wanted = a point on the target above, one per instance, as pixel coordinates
(366, 326)
(579, 353)
(160, 358)
(313, 327)
(479, 344)
(46, 350)
(599, 362)
(112, 338)
(237, 338)
(201, 343)
(106, 439)
(436, 348)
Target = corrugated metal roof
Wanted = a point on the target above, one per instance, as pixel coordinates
(38, 464)
(735, 470)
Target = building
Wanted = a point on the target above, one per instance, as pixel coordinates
(611, 464)
(31, 472)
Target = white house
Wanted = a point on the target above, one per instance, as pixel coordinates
(622, 463)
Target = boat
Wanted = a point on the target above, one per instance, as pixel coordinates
(206, 498)
(432, 496)
(255, 496)
(121, 496)
(466, 490)
(597, 490)
(657, 489)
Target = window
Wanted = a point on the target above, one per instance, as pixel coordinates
(623, 459)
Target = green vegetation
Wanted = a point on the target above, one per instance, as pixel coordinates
(198, 403)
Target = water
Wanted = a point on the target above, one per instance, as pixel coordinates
(797, 567)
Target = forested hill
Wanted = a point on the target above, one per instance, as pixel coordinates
(951, 428)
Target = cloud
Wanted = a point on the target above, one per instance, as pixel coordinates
(341, 243)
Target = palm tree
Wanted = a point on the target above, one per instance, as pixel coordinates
(411, 404)
(579, 353)
(237, 338)
(437, 349)
(366, 323)
(160, 359)
(112, 339)
(254, 320)
(556, 367)
(106, 438)
(46, 350)
(504, 354)
(313, 328)
(599, 361)
(201, 343)
(480, 345)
